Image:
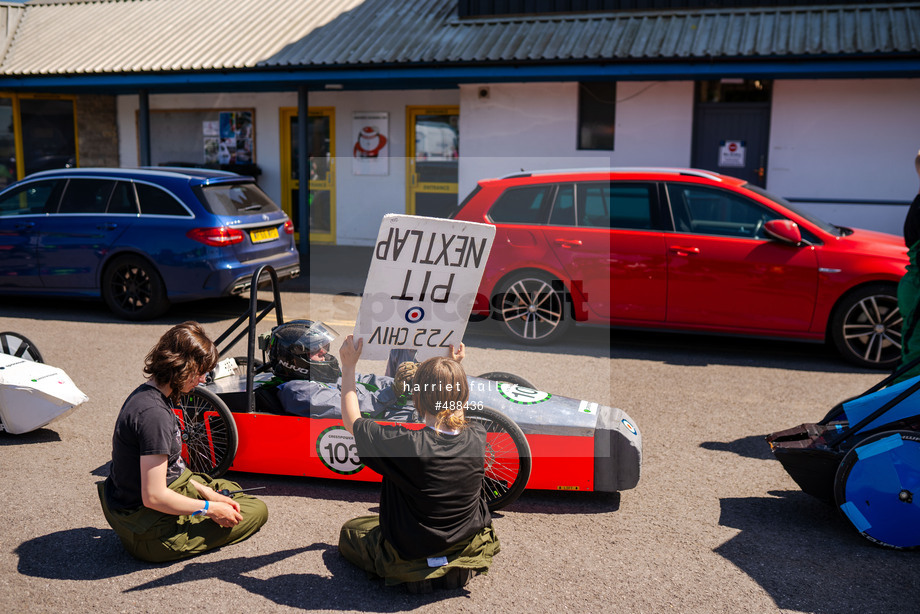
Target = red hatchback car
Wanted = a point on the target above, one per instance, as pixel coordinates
(681, 249)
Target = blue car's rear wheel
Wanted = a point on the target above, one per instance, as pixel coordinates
(508, 460)
(877, 487)
(133, 289)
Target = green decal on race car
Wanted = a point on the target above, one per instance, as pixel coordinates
(336, 448)
(522, 395)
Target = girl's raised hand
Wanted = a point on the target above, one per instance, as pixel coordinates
(350, 352)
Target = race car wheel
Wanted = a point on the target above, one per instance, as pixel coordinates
(508, 461)
(208, 432)
(16, 345)
(511, 378)
(866, 327)
(133, 289)
(532, 308)
(877, 488)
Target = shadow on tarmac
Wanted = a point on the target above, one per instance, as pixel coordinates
(810, 559)
(52, 557)
(42, 435)
(752, 446)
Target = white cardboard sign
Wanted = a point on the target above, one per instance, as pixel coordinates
(421, 285)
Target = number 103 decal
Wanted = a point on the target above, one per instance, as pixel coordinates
(336, 448)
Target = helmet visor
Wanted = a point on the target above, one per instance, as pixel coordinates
(318, 336)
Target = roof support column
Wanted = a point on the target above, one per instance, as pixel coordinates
(303, 174)
(143, 126)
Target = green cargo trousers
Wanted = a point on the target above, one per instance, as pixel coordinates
(361, 542)
(157, 537)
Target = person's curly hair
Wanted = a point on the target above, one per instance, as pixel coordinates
(182, 353)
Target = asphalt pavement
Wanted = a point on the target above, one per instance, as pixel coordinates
(715, 524)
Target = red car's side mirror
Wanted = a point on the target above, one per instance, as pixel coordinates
(785, 231)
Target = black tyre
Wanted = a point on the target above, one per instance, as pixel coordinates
(133, 289)
(866, 327)
(209, 436)
(17, 345)
(511, 378)
(508, 460)
(532, 308)
(877, 487)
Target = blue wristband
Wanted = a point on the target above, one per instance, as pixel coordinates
(202, 510)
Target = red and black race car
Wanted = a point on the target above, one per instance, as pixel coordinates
(536, 439)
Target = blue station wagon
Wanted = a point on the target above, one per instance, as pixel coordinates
(140, 238)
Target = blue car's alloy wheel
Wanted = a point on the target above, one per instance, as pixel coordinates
(133, 289)
(878, 488)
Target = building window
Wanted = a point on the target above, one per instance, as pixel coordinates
(596, 115)
(37, 132)
(734, 90)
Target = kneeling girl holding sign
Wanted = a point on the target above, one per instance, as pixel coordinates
(434, 529)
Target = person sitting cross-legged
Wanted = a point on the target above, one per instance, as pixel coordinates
(434, 529)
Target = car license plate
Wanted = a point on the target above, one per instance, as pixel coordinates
(264, 234)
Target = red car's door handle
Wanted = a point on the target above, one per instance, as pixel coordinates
(568, 243)
(684, 251)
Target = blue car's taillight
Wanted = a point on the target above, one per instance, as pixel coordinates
(216, 236)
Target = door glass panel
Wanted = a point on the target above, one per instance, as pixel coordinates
(48, 134)
(123, 200)
(564, 208)
(320, 165)
(34, 198)
(435, 161)
(7, 143)
(717, 212)
(86, 196)
(617, 205)
(528, 205)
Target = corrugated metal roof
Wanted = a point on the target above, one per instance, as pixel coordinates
(9, 21)
(179, 35)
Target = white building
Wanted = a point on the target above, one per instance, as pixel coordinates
(820, 99)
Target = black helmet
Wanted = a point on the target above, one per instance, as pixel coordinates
(290, 346)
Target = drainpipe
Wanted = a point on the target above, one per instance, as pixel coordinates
(143, 127)
(303, 172)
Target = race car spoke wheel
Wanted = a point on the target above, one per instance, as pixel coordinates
(867, 327)
(877, 488)
(16, 345)
(531, 309)
(508, 460)
(208, 432)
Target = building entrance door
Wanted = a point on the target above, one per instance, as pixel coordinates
(321, 126)
(433, 160)
(731, 129)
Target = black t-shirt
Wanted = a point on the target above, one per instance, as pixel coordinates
(432, 484)
(145, 425)
(912, 223)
